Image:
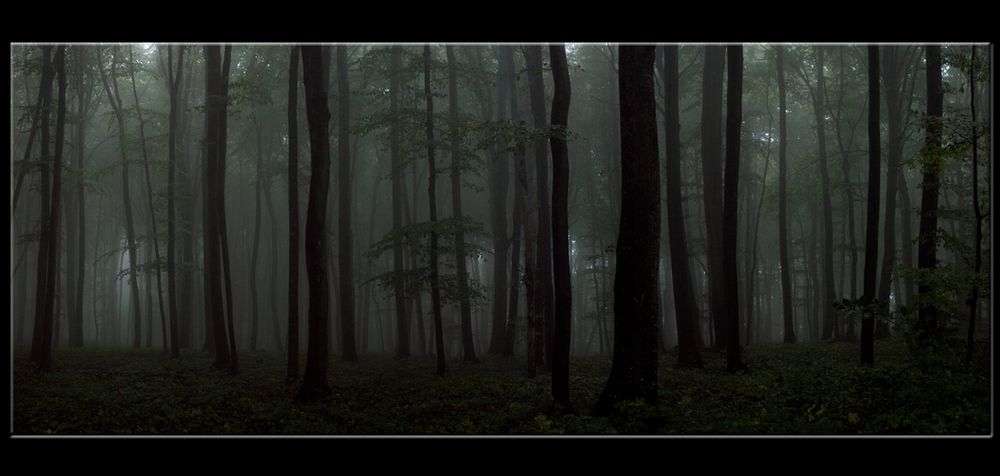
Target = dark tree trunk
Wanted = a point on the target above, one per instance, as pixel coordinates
(469, 350)
(828, 292)
(41, 350)
(685, 305)
(149, 201)
(543, 267)
(432, 205)
(345, 234)
(786, 270)
(730, 285)
(634, 366)
(220, 207)
(752, 272)
(499, 180)
(315, 77)
(973, 300)
(173, 88)
(711, 162)
(562, 310)
(117, 106)
(398, 284)
(273, 288)
(893, 102)
(292, 371)
(871, 229)
(76, 232)
(932, 165)
(255, 314)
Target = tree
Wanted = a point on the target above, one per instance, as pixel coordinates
(688, 334)
(890, 75)
(345, 237)
(871, 229)
(711, 163)
(499, 175)
(786, 270)
(730, 286)
(118, 108)
(562, 317)
(398, 284)
(543, 266)
(932, 166)
(977, 214)
(41, 349)
(469, 350)
(292, 370)
(432, 204)
(315, 79)
(634, 365)
(256, 237)
(174, 90)
(149, 201)
(507, 67)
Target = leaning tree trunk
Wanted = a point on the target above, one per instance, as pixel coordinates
(634, 365)
(315, 74)
(562, 315)
(932, 166)
(871, 230)
(786, 271)
(685, 305)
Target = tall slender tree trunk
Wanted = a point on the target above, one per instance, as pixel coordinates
(173, 89)
(871, 230)
(220, 208)
(543, 267)
(398, 284)
(730, 212)
(256, 242)
(828, 292)
(499, 172)
(315, 77)
(344, 230)
(685, 304)
(932, 165)
(890, 72)
(432, 206)
(562, 314)
(711, 161)
(634, 365)
(292, 370)
(469, 351)
(786, 270)
(973, 300)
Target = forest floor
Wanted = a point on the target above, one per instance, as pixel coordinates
(789, 389)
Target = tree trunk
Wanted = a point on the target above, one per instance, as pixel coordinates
(173, 88)
(345, 235)
(220, 208)
(432, 206)
(730, 211)
(562, 310)
(828, 293)
(543, 267)
(931, 184)
(685, 304)
(973, 300)
(871, 230)
(893, 103)
(786, 271)
(256, 242)
(634, 366)
(468, 349)
(711, 161)
(499, 172)
(398, 285)
(292, 370)
(316, 67)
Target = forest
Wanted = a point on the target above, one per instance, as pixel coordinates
(501, 239)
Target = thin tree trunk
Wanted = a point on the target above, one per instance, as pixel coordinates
(562, 309)
(931, 184)
(786, 271)
(398, 285)
(871, 230)
(256, 242)
(432, 205)
(730, 211)
(973, 300)
(345, 238)
(499, 172)
(292, 370)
